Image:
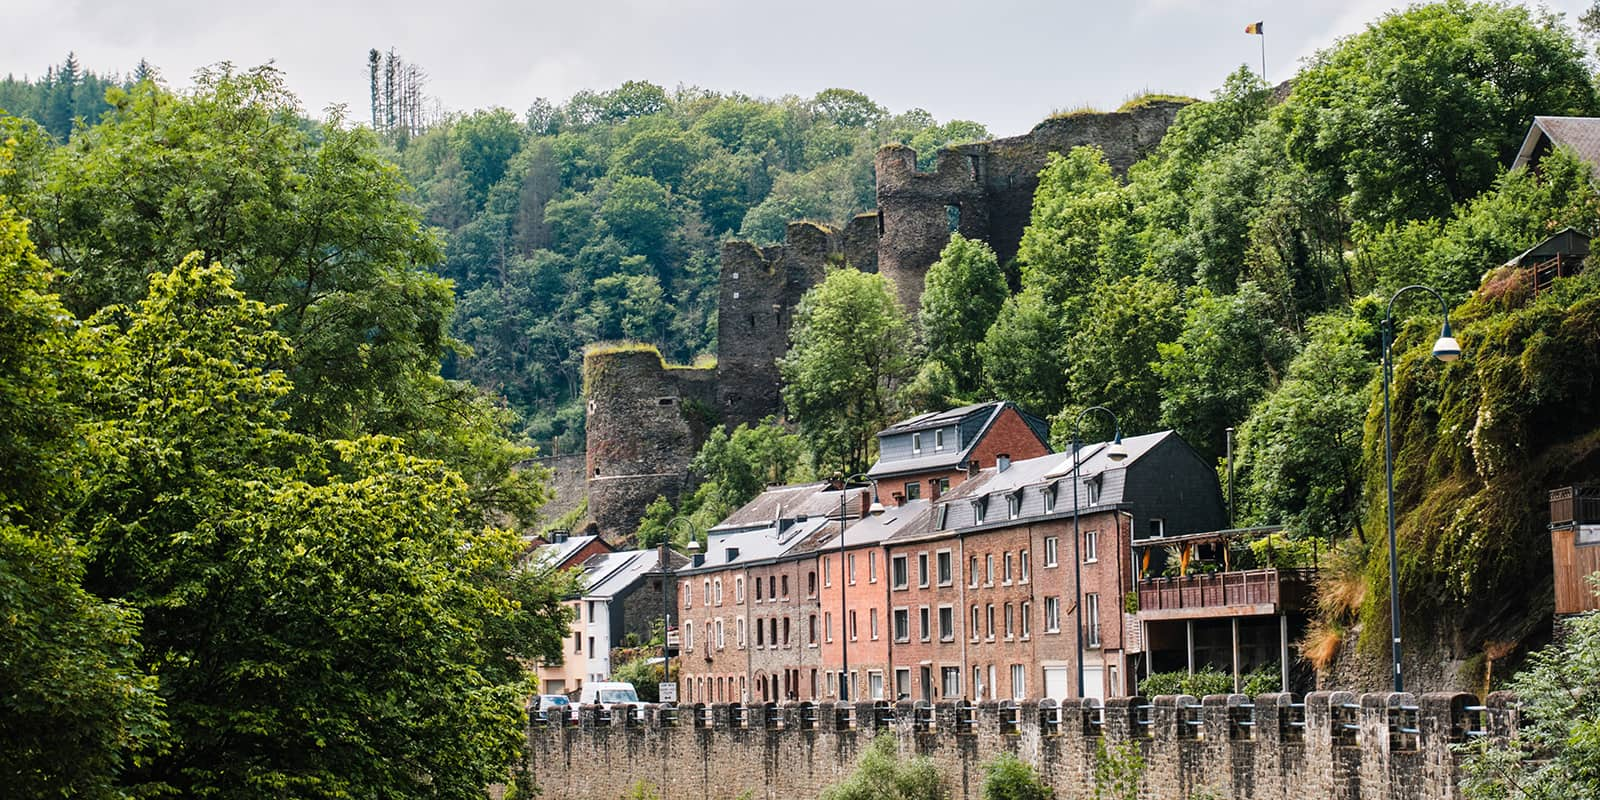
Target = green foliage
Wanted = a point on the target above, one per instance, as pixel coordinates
(847, 361)
(736, 467)
(1556, 751)
(641, 790)
(1008, 778)
(882, 775)
(66, 95)
(1117, 770)
(645, 676)
(963, 293)
(1201, 683)
(1113, 343)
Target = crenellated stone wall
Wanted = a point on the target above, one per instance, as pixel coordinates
(1332, 745)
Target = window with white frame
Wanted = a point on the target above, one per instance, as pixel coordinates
(977, 628)
(688, 634)
(972, 571)
(899, 572)
(924, 628)
(1005, 570)
(1011, 619)
(988, 631)
(1049, 493)
(740, 635)
(902, 624)
(872, 566)
(916, 444)
(979, 507)
(988, 570)
(922, 570)
(738, 589)
(1013, 505)
(853, 630)
(1022, 563)
(946, 573)
(1025, 618)
(950, 677)
(1052, 615)
(1019, 678)
(721, 640)
(850, 569)
(947, 623)
(716, 587)
(1091, 546)
(872, 623)
(827, 625)
(1091, 620)
(938, 440)
(1050, 549)
(941, 516)
(827, 571)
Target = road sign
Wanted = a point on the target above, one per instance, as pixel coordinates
(668, 691)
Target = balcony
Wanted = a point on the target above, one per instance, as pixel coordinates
(1240, 593)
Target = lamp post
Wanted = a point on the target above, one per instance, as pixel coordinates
(844, 602)
(1445, 349)
(666, 591)
(1116, 452)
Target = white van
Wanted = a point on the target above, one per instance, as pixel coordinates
(608, 693)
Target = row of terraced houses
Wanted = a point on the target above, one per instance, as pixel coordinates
(970, 582)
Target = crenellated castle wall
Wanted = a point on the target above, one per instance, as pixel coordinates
(1333, 745)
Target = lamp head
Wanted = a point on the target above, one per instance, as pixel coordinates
(876, 509)
(1116, 452)
(1446, 349)
(693, 546)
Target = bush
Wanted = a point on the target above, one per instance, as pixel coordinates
(1200, 684)
(881, 775)
(1008, 778)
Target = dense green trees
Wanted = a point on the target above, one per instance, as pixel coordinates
(964, 291)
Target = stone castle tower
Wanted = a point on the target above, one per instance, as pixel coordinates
(646, 420)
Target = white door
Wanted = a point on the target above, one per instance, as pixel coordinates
(1094, 681)
(1056, 683)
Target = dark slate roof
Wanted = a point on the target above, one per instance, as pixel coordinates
(988, 413)
(1582, 134)
(608, 574)
(791, 502)
(935, 419)
(557, 553)
(1566, 242)
(912, 517)
(776, 539)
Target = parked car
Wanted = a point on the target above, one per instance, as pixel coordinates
(611, 694)
(545, 706)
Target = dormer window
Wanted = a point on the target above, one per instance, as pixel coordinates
(1091, 488)
(1013, 505)
(979, 506)
(938, 440)
(916, 444)
(942, 517)
(1049, 493)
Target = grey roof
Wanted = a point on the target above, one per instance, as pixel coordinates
(789, 502)
(608, 574)
(989, 412)
(559, 552)
(912, 516)
(934, 419)
(1582, 134)
(776, 539)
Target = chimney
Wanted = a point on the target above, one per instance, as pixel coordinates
(899, 499)
(933, 488)
(972, 468)
(560, 537)
(1002, 462)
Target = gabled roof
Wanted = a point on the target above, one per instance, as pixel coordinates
(557, 553)
(1582, 134)
(778, 538)
(789, 502)
(987, 413)
(1565, 242)
(608, 574)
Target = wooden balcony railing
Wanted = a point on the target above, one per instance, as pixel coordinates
(1257, 591)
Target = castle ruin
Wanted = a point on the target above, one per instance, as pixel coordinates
(646, 419)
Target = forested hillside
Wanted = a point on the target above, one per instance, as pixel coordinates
(601, 218)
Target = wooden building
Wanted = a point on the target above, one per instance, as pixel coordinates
(1575, 547)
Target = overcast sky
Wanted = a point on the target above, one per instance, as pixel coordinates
(1004, 63)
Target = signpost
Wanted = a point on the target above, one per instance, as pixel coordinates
(667, 691)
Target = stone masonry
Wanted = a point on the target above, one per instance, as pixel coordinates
(1332, 745)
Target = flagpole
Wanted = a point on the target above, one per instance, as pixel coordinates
(1263, 55)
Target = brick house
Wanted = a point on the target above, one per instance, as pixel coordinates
(561, 553)
(927, 454)
(857, 621)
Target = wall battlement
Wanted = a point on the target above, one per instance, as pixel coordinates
(1332, 745)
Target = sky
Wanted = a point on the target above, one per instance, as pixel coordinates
(1004, 63)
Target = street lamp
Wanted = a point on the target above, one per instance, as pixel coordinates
(844, 628)
(1116, 452)
(666, 584)
(1446, 349)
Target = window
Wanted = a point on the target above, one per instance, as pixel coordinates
(827, 625)
(1013, 505)
(785, 631)
(875, 684)
(741, 635)
(988, 570)
(902, 682)
(577, 642)
(758, 590)
(688, 588)
(772, 631)
(1018, 678)
(1011, 616)
(872, 623)
(772, 587)
(924, 629)
(977, 627)
(1049, 551)
(951, 678)
(1049, 493)
(591, 611)
(1091, 487)
(811, 630)
(979, 507)
(1052, 615)
(988, 631)
(947, 623)
(591, 646)
(717, 586)
(1022, 562)
(899, 572)
(922, 570)
(1091, 546)
(945, 576)
(1005, 572)
(850, 569)
(1158, 527)
(738, 589)
(913, 490)
(972, 571)
(872, 566)
(938, 444)
(705, 590)
(916, 444)
(827, 572)
(761, 630)
(1027, 611)
(721, 641)
(854, 631)
(688, 635)
(977, 683)
(1091, 620)
(902, 625)
(811, 584)
(785, 585)
(941, 517)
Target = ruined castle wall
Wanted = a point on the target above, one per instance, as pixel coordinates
(759, 291)
(1334, 745)
(985, 190)
(645, 421)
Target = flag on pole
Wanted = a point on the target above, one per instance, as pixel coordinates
(1255, 28)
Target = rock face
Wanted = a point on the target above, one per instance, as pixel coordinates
(646, 420)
